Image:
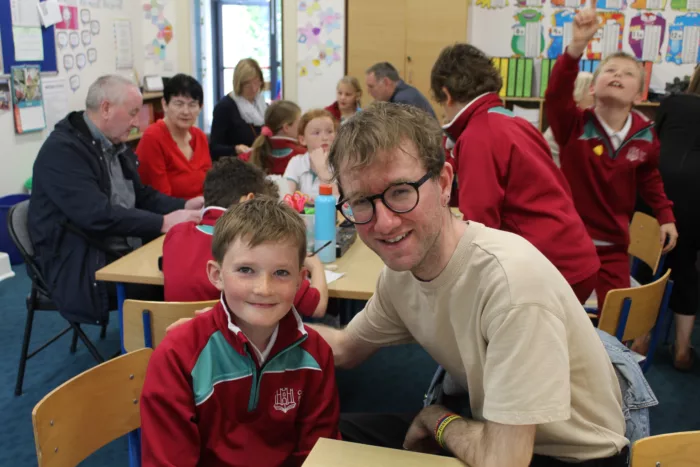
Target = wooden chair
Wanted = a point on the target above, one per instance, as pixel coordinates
(669, 450)
(645, 243)
(145, 322)
(634, 312)
(90, 410)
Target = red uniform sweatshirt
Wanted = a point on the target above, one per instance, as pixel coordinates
(604, 181)
(283, 149)
(507, 180)
(163, 166)
(186, 252)
(206, 400)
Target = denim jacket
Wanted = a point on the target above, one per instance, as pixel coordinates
(637, 396)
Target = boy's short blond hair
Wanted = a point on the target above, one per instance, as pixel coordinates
(625, 56)
(258, 221)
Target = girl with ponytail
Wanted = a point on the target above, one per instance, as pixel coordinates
(277, 143)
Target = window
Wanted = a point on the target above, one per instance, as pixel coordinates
(243, 29)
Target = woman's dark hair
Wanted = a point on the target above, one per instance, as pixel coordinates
(466, 72)
(184, 86)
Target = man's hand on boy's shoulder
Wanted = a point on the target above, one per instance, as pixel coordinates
(585, 25)
(184, 320)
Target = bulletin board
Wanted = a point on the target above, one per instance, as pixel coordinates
(8, 44)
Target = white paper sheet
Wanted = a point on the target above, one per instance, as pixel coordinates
(56, 94)
(691, 36)
(532, 39)
(333, 276)
(25, 13)
(29, 45)
(652, 42)
(49, 12)
(611, 38)
(123, 48)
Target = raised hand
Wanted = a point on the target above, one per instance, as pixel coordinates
(585, 25)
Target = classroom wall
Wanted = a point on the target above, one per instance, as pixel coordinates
(19, 151)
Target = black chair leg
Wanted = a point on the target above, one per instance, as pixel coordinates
(88, 343)
(25, 345)
(103, 331)
(74, 342)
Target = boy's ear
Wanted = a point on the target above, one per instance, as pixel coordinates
(448, 97)
(215, 275)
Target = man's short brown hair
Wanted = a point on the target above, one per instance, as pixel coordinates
(466, 72)
(258, 221)
(384, 126)
(624, 56)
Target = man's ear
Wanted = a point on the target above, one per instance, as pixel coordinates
(448, 97)
(215, 274)
(445, 180)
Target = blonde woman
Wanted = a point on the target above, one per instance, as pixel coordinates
(584, 99)
(348, 94)
(240, 115)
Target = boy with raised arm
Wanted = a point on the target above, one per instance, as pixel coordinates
(608, 152)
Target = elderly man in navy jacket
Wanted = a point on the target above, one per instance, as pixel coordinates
(385, 85)
(88, 205)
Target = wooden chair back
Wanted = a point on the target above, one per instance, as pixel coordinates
(645, 240)
(90, 410)
(141, 315)
(644, 310)
(669, 450)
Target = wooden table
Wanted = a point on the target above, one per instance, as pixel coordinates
(360, 265)
(334, 453)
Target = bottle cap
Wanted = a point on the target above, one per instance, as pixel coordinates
(325, 190)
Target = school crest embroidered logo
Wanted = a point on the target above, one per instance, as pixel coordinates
(636, 154)
(284, 400)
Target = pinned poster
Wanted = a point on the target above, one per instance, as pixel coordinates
(684, 39)
(568, 3)
(560, 32)
(528, 34)
(646, 36)
(529, 3)
(608, 38)
(124, 52)
(685, 5)
(27, 99)
(69, 15)
(55, 100)
(649, 4)
(49, 13)
(611, 4)
(492, 4)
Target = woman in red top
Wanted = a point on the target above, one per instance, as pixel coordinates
(173, 153)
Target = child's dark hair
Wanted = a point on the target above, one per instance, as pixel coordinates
(184, 86)
(466, 72)
(278, 114)
(230, 178)
(257, 221)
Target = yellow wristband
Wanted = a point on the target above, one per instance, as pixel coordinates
(441, 429)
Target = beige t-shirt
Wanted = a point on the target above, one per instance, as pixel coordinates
(506, 325)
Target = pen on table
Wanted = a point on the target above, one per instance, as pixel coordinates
(322, 247)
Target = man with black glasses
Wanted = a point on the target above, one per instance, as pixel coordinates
(484, 303)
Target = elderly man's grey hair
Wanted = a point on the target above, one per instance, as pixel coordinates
(383, 70)
(106, 88)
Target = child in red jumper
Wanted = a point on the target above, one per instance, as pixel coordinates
(505, 174)
(187, 246)
(608, 153)
(246, 383)
(277, 143)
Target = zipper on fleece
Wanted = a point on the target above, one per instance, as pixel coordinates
(628, 139)
(255, 387)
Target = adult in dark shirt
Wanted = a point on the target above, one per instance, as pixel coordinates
(384, 84)
(88, 204)
(240, 115)
(677, 123)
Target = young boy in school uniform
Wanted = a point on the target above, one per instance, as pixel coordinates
(505, 174)
(608, 152)
(246, 383)
(187, 247)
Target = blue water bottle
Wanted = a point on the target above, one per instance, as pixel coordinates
(324, 224)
